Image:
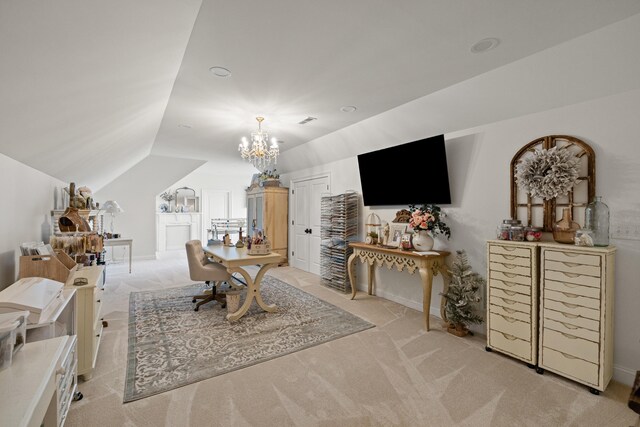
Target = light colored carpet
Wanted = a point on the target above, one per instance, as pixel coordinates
(171, 345)
(396, 374)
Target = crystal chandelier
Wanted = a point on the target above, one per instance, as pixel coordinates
(259, 154)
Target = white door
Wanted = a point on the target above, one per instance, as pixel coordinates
(307, 196)
(215, 204)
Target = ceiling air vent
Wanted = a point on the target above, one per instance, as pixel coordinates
(307, 120)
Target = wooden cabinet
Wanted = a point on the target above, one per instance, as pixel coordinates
(89, 322)
(566, 327)
(512, 294)
(268, 210)
(576, 313)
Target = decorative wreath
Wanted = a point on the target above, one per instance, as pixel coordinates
(548, 173)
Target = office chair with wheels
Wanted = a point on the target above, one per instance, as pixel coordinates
(201, 268)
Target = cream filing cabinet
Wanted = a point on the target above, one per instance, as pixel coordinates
(566, 327)
(512, 287)
(89, 321)
(576, 313)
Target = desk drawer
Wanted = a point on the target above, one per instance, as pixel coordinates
(510, 304)
(572, 299)
(510, 345)
(510, 277)
(569, 267)
(572, 319)
(510, 250)
(572, 309)
(510, 259)
(572, 288)
(510, 268)
(571, 344)
(571, 257)
(509, 312)
(502, 293)
(568, 328)
(578, 279)
(510, 326)
(510, 286)
(568, 365)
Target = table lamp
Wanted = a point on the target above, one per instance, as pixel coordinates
(112, 207)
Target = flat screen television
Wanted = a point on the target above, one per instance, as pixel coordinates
(412, 173)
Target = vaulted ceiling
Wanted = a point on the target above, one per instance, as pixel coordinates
(89, 88)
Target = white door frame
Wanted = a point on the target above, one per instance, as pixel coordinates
(204, 208)
(292, 204)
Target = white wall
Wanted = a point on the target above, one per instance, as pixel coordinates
(135, 191)
(28, 198)
(479, 161)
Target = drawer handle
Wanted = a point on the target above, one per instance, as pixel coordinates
(568, 356)
(509, 284)
(568, 326)
(98, 301)
(569, 285)
(509, 337)
(510, 266)
(508, 301)
(566, 304)
(571, 337)
(508, 249)
(572, 275)
(508, 310)
(570, 264)
(569, 295)
(570, 316)
(510, 293)
(569, 254)
(509, 275)
(508, 319)
(509, 257)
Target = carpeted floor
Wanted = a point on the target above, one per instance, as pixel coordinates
(395, 374)
(170, 345)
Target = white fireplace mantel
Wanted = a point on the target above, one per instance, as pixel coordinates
(173, 230)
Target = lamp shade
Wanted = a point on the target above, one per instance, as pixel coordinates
(112, 207)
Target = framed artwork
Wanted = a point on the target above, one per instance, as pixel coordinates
(405, 242)
(396, 230)
(192, 204)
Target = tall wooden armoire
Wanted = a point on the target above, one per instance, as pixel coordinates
(268, 210)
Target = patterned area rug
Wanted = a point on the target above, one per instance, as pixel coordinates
(170, 345)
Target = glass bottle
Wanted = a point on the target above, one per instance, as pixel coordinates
(564, 231)
(596, 219)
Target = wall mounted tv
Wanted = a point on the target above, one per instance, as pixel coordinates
(412, 173)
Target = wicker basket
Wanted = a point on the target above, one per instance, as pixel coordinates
(261, 249)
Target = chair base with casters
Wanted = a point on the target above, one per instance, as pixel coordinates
(208, 297)
(203, 269)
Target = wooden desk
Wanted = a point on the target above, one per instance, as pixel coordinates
(120, 242)
(234, 258)
(427, 265)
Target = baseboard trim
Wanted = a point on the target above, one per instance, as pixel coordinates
(624, 375)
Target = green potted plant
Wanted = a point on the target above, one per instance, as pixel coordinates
(462, 296)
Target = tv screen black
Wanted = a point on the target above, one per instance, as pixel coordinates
(412, 173)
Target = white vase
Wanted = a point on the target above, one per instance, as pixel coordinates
(422, 240)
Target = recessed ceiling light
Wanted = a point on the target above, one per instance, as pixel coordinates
(348, 109)
(184, 126)
(220, 71)
(485, 45)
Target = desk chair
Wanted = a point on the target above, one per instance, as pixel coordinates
(203, 269)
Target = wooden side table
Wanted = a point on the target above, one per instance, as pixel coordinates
(427, 265)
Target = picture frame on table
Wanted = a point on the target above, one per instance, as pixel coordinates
(396, 230)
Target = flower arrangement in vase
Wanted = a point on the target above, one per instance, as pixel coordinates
(426, 221)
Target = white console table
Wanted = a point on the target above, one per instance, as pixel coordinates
(37, 389)
(120, 242)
